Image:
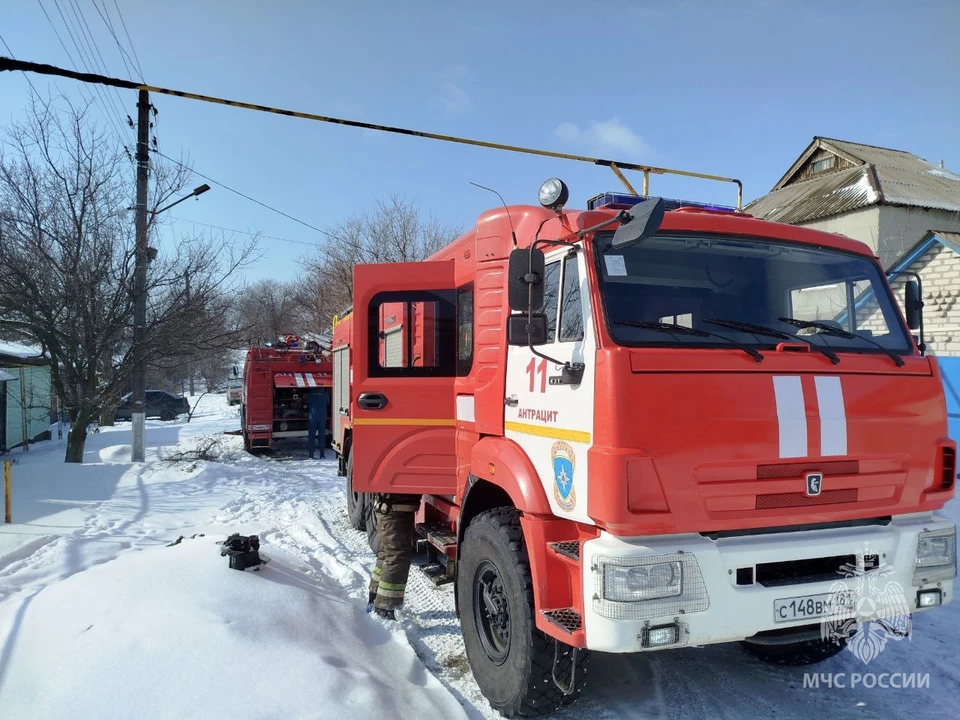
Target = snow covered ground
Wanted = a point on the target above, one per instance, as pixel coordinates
(104, 615)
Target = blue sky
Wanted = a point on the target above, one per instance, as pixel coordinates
(735, 88)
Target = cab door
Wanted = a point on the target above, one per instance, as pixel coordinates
(552, 421)
(404, 367)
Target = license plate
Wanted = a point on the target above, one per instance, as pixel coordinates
(255, 428)
(812, 607)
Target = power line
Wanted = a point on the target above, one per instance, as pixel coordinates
(87, 60)
(25, 75)
(88, 97)
(93, 43)
(243, 232)
(127, 33)
(96, 94)
(615, 165)
(247, 197)
(124, 55)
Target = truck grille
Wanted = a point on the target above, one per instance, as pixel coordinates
(799, 499)
(795, 572)
(796, 469)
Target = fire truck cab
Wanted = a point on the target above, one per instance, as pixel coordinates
(649, 424)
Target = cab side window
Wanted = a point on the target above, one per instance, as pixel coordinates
(413, 334)
(571, 309)
(551, 293)
(464, 330)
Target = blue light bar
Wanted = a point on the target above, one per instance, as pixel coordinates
(623, 201)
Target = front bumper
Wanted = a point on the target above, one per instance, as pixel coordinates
(717, 605)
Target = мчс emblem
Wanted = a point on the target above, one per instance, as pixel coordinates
(814, 481)
(564, 463)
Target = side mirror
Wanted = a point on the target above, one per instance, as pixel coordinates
(236, 373)
(525, 282)
(912, 304)
(640, 222)
(525, 331)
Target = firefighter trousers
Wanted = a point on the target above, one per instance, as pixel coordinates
(395, 526)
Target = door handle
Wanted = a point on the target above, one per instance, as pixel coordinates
(372, 401)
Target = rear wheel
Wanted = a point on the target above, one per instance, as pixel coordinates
(243, 427)
(512, 661)
(168, 415)
(370, 524)
(356, 502)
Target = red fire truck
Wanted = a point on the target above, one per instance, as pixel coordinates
(650, 424)
(276, 379)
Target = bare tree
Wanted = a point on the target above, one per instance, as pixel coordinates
(394, 231)
(269, 308)
(67, 251)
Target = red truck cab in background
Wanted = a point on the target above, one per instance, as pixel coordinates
(637, 430)
(276, 380)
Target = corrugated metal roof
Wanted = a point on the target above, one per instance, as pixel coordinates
(818, 197)
(885, 176)
(929, 188)
(881, 157)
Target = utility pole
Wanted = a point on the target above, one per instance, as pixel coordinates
(186, 277)
(140, 279)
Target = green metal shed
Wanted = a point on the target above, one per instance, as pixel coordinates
(26, 399)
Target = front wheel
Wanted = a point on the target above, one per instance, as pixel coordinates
(512, 661)
(356, 502)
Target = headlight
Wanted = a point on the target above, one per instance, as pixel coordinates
(936, 556)
(633, 583)
(937, 548)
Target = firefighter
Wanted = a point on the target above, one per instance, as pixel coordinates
(318, 403)
(395, 528)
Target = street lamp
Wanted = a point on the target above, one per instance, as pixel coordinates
(197, 192)
(144, 255)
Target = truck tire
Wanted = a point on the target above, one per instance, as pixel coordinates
(243, 427)
(356, 502)
(370, 525)
(512, 661)
(805, 652)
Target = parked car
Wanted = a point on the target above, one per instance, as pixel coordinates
(234, 391)
(159, 403)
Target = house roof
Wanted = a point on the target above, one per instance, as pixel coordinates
(932, 237)
(878, 176)
(13, 353)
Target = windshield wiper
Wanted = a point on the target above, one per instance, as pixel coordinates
(838, 332)
(771, 332)
(684, 330)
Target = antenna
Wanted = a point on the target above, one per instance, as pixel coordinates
(513, 233)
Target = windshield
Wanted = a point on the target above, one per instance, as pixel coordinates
(751, 292)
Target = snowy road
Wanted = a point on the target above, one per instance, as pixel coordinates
(100, 618)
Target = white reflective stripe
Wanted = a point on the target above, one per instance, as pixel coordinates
(833, 416)
(791, 416)
(311, 381)
(465, 408)
(300, 381)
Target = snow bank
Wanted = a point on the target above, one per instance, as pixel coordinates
(172, 632)
(99, 618)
